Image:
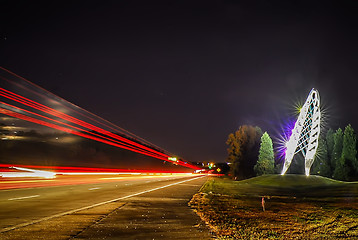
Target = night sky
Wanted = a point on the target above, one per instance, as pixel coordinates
(185, 74)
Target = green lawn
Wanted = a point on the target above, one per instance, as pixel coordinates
(287, 185)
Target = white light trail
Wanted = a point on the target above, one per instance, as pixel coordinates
(28, 173)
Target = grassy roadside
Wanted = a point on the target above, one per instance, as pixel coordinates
(296, 207)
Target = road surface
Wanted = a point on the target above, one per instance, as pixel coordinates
(79, 206)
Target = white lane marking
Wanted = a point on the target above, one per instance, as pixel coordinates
(19, 198)
(91, 206)
(95, 188)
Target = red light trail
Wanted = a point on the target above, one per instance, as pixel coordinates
(75, 108)
(82, 130)
(30, 119)
(86, 169)
(56, 113)
(72, 125)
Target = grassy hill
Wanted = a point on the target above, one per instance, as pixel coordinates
(287, 185)
(296, 207)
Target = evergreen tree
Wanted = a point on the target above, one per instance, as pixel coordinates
(341, 171)
(243, 151)
(321, 165)
(347, 166)
(330, 145)
(337, 148)
(349, 151)
(266, 161)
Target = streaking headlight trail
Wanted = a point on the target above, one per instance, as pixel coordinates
(23, 100)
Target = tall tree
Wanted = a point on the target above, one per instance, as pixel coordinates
(266, 162)
(243, 151)
(321, 165)
(347, 165)
(349, 151)
(330, 145)
(341, 171)
(337, 148)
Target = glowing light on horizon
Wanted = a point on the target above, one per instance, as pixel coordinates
(304, 137)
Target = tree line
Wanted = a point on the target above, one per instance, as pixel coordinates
(337, 155)
(251, 153)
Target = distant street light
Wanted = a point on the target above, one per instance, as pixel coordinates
(174, 159)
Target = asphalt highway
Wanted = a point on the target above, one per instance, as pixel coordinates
(30, 203)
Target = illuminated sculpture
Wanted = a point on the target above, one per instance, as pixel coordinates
(305, 134)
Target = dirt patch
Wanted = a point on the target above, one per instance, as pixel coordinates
(232, 217)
